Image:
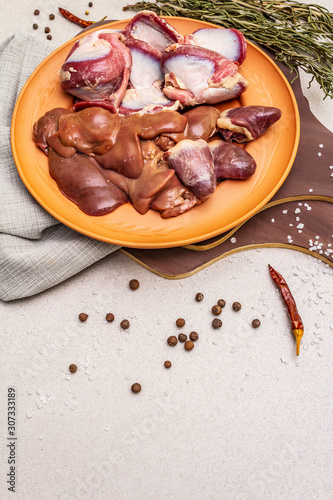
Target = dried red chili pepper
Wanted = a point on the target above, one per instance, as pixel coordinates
(74, 19)
(297, 324)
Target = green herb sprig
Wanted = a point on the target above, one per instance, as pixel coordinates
(300, 35)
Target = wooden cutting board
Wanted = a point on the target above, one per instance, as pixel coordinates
(298, 217)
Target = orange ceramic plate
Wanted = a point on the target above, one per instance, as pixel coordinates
(232, 203)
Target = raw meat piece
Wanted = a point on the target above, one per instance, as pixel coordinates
(194, 75)
(82, 181)
(246, 123)
(149, 27)
(91, 131)
(97, 68)
(143, 190)
(144, 94)
(174, 200)
(229, 43)
(201, 124)
(46, 128)
(193, 163)
(231, 161)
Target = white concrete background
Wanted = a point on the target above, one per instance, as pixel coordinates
(239, 417)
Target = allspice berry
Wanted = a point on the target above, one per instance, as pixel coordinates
(136, 388)
(216, 323)
(172, 340)
(216, 309)
(72, 368)
(182, 337)
(134, 284)
(109, 317)
(125, 324)
(194, 336)
(180, 322)
(236, 306)
(167, 364)
(256, 323)
(83, 317)
(189, 345)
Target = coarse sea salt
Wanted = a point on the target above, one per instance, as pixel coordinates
(297, 211)
(233, 240)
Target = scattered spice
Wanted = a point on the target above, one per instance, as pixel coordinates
(216, 323)
(49, 37)
(90, 4)
(297, 324)
(83, 317)
(36, 12)
(256, 323)
(35, 26)
(216, 309)
(72, 368)
(87, 12)
(221, 303)
(167, 364)
(74, 19)
(194, 336)
(199, 297)
(47, 30)
(189, 345)
(182, 337)
(180, 322)
(109, 317)
(134, 284)
(51, 16)
(236, 306)
(136, 388)
(125, 324)
(172, 340)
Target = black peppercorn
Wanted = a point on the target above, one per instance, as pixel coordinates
(256, 323)
(221, 303)
(180, 322)
(236, 306)
(90, 4)
(136, 388)
(51, 16)
(189, 345)
(83, 317)
(36, 12)
(47, 30)
(182, 337)
(134, 284)
(172, 340)
(109, 317)
(35, 26)
(216, 323)
(125, 324)
(167, 364)
(216, 309)
(194, 336)
(72, 368)
(49, 37)
(199, 297)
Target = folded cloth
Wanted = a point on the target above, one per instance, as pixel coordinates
(36, 251)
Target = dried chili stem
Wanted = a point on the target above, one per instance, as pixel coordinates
(297, 324)
(76, 20)
(300, 35)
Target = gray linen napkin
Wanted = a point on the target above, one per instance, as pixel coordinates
(36, 251)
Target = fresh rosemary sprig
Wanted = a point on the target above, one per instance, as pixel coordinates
(300, 35)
